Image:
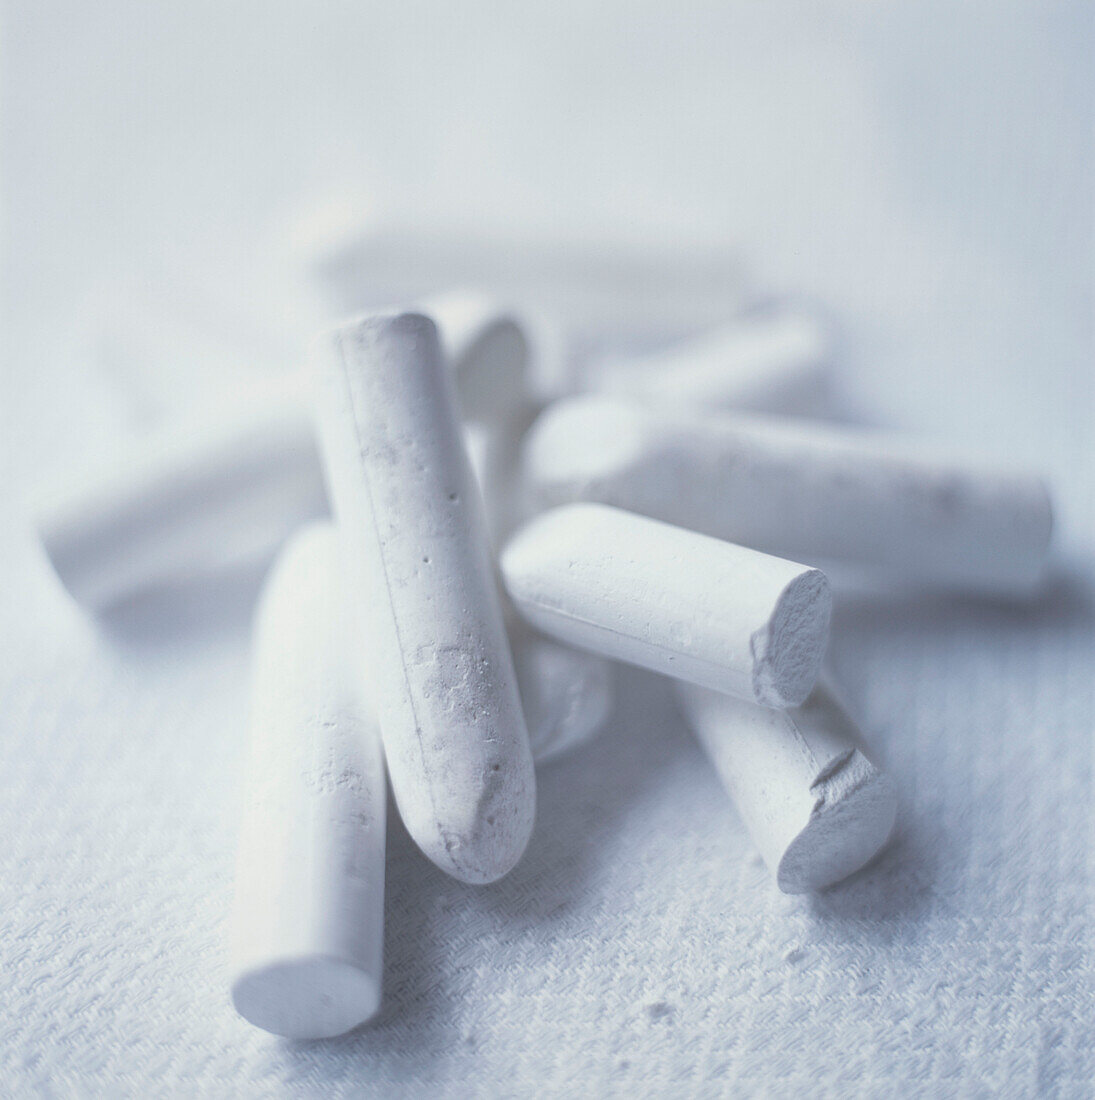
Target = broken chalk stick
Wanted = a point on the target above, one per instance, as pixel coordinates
(671, 600)
(816, 806)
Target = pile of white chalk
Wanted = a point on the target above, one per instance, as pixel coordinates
(467, 555)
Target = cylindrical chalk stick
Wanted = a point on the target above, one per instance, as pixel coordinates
(417, 553)
(191, 503)
(816, 806)
(307, 924)
(798, 489)
(770, 362)
(671, 600)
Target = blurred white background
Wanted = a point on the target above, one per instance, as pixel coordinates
(926, 172)
(926, 169)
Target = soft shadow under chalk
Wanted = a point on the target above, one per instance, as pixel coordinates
(431, 919)
(583, 801)
(887, 899)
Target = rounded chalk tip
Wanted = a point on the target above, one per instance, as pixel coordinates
(580, 440)
(385, 331)
(399, 323)
(485, 859)
(789, 649)
(487, 342)
(841, 836)
(482, 844)
(314, 997)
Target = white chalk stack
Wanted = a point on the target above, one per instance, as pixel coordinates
(197, 500)
(799, 489)
(491, 558)
(307, 925)
(417, 565)
(742, 634)
(816, 807)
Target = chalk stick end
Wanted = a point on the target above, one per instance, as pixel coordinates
(315, 997)
(788, 650)
(852, 821)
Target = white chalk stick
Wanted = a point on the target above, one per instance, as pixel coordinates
(365, 259)
(222, 491)
(307, 923)
(671, 600)
(418, 561)
(495, 456)
(799, 489)
(774, 362)
(815, 805)
(191, 502)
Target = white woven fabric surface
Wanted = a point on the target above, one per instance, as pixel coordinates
(929, 174)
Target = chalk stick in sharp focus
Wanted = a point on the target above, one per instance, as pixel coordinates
(307, 924)
(815, 805)
(417, 561)
(774, 362)
(671, 600)
(799, 489)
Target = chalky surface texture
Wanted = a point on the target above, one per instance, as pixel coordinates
(926, 174)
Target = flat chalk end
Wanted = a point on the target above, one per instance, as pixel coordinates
(851, 823)
(316, 997)
(788, 650)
